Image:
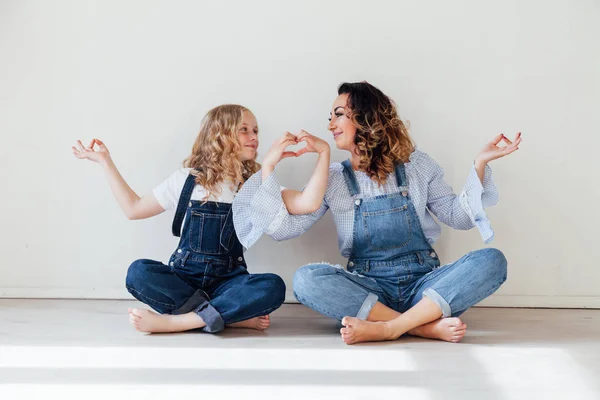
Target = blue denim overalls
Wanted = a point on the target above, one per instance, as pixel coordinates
(392, 262)
(207, 273)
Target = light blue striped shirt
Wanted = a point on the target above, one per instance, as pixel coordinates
(258, 207)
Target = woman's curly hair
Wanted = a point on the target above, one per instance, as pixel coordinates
(215, 153)
(382, 139)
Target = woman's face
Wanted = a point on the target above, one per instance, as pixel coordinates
(248, 136)
(341, 125)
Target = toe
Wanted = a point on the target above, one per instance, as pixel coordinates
(137, 312)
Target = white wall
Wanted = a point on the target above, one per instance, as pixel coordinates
(141, 74)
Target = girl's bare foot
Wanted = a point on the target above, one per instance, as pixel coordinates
(448, 329)
(259, 323)
(356, 330)
(151, 322)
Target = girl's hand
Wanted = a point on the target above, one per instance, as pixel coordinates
(88, 153)
(278, 152)
(313, 144)
(492, 151)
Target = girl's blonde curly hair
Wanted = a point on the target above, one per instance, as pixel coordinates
(214, 156)
(382, 139)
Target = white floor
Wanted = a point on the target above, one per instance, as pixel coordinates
(86, 349)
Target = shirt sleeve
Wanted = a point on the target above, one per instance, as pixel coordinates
(467, 209)
(259, 208)
(167, 192)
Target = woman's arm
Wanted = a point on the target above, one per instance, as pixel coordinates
(467, 209)
(310, 199)
(134, 206)
(259, 206)
(491, 152)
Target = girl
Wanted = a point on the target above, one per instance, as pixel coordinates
(205, 284)
(382, 199)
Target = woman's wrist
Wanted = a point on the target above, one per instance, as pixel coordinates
(266, 171)
(325, 151)
(480, 165)
(480, 162)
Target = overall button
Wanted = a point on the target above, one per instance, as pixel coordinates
(240, 258)
(357, 202)
(171, 264)
(351, 264)
(190, 204)
(179, 251)
(433, 255)
(404, 194)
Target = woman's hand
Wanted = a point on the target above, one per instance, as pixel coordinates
(313, 144)
(88, 153)
(492, 151)
(278, 152)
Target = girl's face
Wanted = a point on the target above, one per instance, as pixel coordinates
(341, 125)
(248, 136)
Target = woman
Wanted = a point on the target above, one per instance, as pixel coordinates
(382, 199)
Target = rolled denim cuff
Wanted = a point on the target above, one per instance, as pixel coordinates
(211, 317)
(367, 305)
(439, 300)
(190, 305)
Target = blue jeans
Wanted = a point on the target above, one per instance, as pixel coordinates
(220, 293)
(400, 284)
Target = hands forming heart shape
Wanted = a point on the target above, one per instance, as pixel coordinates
(278, 150)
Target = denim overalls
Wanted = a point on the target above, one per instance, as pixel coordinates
(392, 262)
(207, 273)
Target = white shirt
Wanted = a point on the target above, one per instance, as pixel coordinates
(168, 192)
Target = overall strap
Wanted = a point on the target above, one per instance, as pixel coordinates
(351, 182)
(184, 199)
(401, 175)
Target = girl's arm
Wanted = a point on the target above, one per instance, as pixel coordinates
(132, 205)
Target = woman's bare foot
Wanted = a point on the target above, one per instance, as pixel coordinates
(151, 322)
(259, 323)
(449, 329)
(356, 330)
